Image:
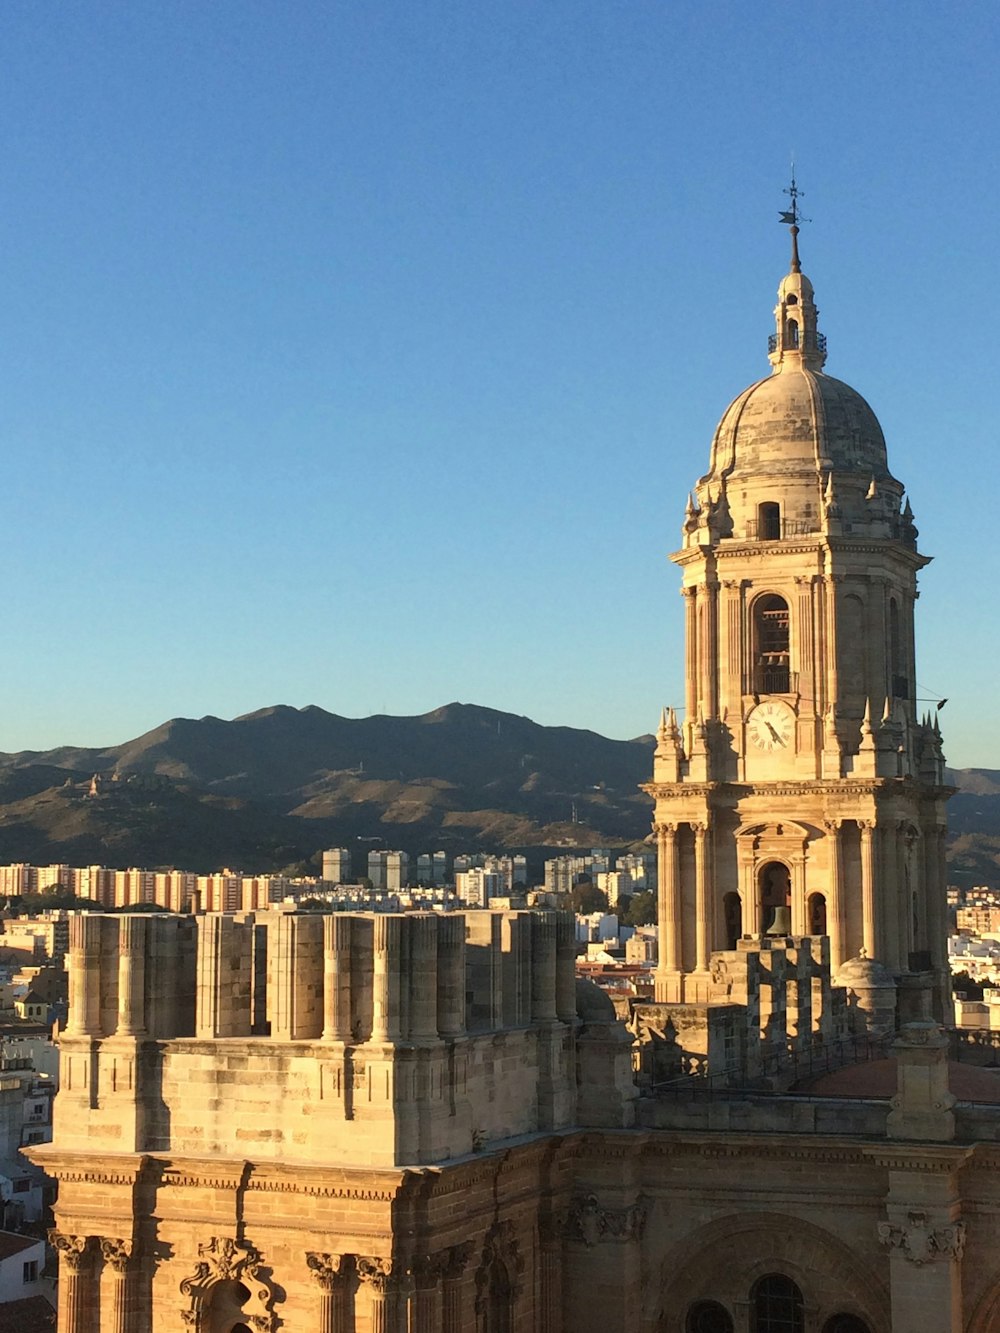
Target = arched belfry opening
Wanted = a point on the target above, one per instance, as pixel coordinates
(774, 889)
(732, 915)
(816, 914)
(772, 641)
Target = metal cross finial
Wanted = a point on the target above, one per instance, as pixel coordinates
(792, 217)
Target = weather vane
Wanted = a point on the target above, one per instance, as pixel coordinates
(792, 217)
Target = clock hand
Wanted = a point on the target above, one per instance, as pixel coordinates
(774, 733)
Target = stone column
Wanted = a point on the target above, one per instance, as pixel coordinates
(565, 968)
(330, 1274)
(423, 977)
(131, 975)
(690, 596)
(337, 978)
(77, 1309)
(543, 967)
(550, 1235)
(452, 1303)
(295, 977)
(710, 687)
(868, 907)
(451, 976)
(425, 1295)
(835, 905)
(702, 924)
(223, 997)
(117, 1255)
(376, 1276)
(668, 897)
(385, 979)
(84, 975)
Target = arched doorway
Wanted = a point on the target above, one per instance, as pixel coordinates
(816, 914)
(732, 913)
(774, 890)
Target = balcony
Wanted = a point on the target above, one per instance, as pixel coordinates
(771, 530)
(809, 342)
(775, 678)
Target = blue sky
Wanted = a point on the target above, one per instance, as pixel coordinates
(362, 354)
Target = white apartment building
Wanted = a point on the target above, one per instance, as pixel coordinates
(478, 886)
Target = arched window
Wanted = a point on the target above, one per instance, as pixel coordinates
(817, 914)
(226, 1307)
(769, 521)
(499, 1300)
(708, 1317)
(791, 299)
(777, 1305)
(732, 911)
(845, 1323)
(771, 646)
(774, 884)
(793, 333)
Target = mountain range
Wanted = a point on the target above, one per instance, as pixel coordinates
(269, 789)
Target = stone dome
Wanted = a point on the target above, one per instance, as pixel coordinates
(799, 419)
(867, 973)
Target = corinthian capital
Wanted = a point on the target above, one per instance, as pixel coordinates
(374, 1272)
(73, 1251)
(327, 1269)
(115, 1252)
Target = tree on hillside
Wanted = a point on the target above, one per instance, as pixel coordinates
(585, 897)
(641, 909)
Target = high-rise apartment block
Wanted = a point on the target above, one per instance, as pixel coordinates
(337, 865)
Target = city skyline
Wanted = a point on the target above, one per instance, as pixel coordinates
(360, 357)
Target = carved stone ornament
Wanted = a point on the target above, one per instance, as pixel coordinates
(375, 1273)
(458, 1257)
(223, 1260)
(327, 1269)
(922, 1243)
(590, 1222)
(116, 1253)
(501, 1254)
(73, 1251)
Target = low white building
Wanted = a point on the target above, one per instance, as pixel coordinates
(22, 1259)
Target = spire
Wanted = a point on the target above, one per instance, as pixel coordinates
(797, 341)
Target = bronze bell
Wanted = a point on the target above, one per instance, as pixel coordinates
(782, 923)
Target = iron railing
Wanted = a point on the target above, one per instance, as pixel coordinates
(810, 342)
(775, 678)
(766, 530)
(790, 1066)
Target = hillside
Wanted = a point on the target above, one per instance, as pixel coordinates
(272, 787)
(276, 785)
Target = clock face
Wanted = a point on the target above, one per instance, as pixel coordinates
(771, 727)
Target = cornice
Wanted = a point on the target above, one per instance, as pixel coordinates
(930, 1159)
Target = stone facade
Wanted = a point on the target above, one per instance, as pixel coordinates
(802, 779)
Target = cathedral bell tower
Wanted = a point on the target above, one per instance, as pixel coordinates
(801, 794)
